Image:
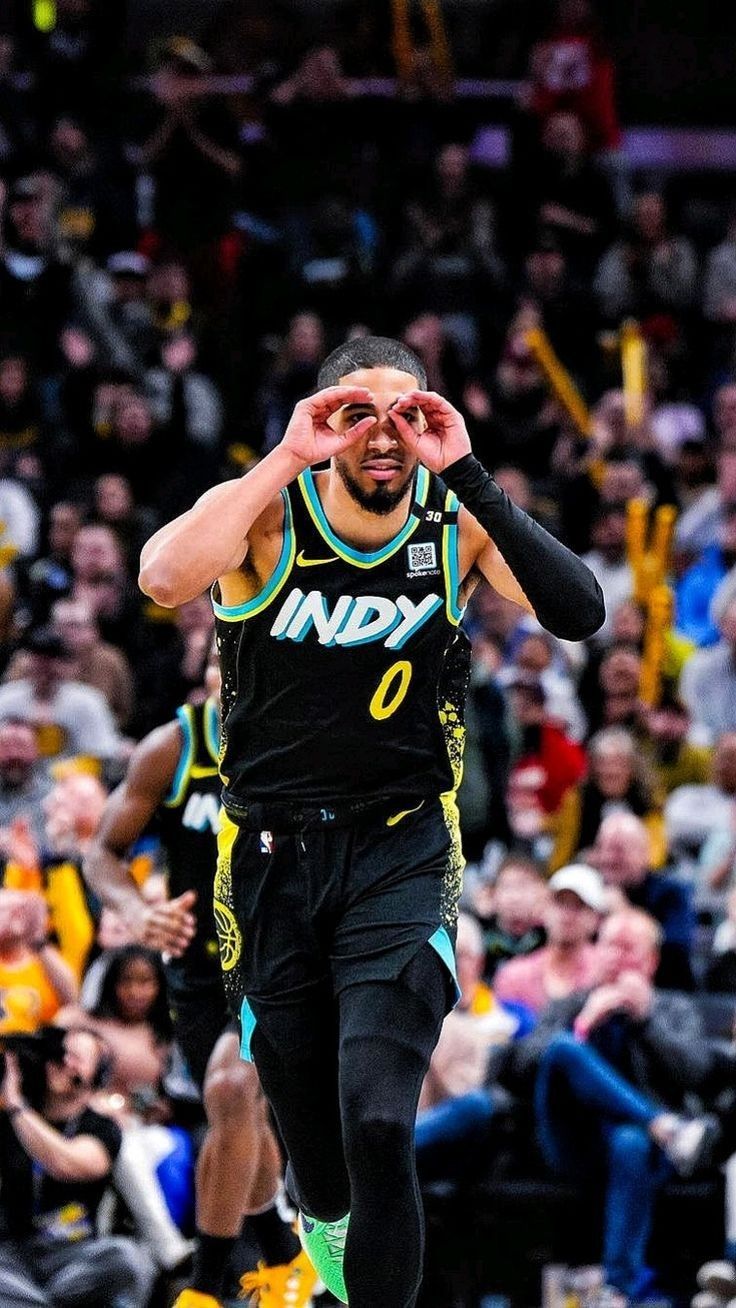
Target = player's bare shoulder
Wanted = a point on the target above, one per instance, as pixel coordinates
(261, 554)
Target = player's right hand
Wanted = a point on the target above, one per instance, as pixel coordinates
(310, 437)
(169, 926)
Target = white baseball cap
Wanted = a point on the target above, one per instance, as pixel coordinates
(584, 882)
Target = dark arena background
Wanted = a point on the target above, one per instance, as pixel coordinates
(199, 199)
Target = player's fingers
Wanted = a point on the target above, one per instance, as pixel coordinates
(186, 900)
(404, 428)
(333, 398)
(354, 433)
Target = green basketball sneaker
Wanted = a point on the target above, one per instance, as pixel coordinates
(324, 1242)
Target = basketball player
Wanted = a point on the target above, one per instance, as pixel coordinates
(338, 597)
(173, 775)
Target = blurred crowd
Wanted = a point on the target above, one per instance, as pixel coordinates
(174, 264)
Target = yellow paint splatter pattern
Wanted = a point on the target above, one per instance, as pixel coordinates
(451, 706)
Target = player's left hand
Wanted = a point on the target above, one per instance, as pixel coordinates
(441, 439)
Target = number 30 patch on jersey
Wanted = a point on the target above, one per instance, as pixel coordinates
(267, 842)
(422, 558)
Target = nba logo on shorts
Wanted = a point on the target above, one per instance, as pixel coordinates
(267, 842)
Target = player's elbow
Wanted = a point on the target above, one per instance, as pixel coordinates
(157, 580)
(585, 617)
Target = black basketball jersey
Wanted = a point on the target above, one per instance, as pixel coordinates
(333, 673)
(189, 820)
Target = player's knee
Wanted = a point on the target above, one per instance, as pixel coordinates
(232, 1091)
(379, 1133)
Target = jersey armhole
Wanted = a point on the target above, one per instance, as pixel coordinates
(239, 612)
(451, 559)
(185, 716)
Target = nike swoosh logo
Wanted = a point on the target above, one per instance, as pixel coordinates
(313, 563)
(397, 817)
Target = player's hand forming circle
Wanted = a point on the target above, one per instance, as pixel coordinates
(169, 926)
(309, 436)
(444, 438)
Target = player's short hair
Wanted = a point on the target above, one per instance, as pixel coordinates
(370, 352)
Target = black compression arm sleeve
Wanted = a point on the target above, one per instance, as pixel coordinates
(563, 592)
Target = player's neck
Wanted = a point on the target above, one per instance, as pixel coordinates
(354, 524)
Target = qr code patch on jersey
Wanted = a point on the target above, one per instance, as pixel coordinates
(422, 557)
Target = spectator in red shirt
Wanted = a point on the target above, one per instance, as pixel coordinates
(548, 762)
(570, 69)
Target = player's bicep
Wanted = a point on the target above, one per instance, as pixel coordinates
(492, 565)
(480, 557)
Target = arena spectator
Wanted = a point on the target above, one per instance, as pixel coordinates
(114, 506)
(56, 1157)
(623, 854)
(131, 1014)
(697, 587)
(101, 580)
(565, 963)
(697, 815)
(613, 1067)
(42, 580)
(719, 282)
(95, 662)
(50, 863)
(293, 373)
(538, 656)
(570, 197)
(615, 701)
(652, 270)
(720, 973)
(69, 718)
(616, 781)
(35, 982)
(674, 758)
(189, 144)
(116, 311)
(454, 1106)
(570, 70)
(510, 910)
(698, 526)
(608, 561)
(548, 762)
(483, 786)
(35, 286)
(709, 680)
(20, 409)
(24, 780)
(176, 386)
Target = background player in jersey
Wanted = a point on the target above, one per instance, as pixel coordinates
(338, 602)
(173, 776)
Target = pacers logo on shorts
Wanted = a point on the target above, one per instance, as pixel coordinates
(228, 934)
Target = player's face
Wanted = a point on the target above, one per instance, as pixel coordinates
(378, 469)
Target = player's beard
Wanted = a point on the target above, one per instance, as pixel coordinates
(380, 500)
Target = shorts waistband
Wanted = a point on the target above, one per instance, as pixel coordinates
(296, 817)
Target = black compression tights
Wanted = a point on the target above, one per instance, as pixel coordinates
(345, 1093)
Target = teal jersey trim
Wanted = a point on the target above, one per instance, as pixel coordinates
(247, 1027)
(238, 612)
(186, 757)
(450, 559)
(212, 729)
(346, 552)
(442, 945)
